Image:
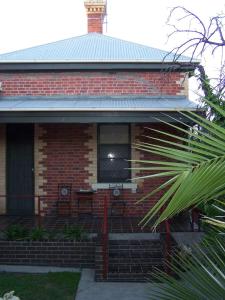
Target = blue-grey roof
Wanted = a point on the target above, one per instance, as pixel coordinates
(95, 103)
(92, 47)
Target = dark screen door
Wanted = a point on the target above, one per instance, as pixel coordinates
(20, 164)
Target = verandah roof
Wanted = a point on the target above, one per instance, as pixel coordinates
(91, 109)
(96, 103)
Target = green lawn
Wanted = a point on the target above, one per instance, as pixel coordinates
(51, 286)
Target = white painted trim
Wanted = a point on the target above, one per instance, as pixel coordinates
(105, 186)
(142, 60)
(105, 109)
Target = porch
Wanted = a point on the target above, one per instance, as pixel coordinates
(116, 246)
(124, 252)
(39, 159)
(87, 146)
(93, 225)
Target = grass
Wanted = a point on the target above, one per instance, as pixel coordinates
(49, 286)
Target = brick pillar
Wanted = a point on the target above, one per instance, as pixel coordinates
(91, 156)
(136, 133)
(96, 10)
(39, 167)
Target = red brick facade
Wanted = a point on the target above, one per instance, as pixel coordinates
(93, 83)
(66, 161)
(64, 149)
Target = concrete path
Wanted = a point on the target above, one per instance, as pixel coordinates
(134, 236)
(88, 289)
(188, 238)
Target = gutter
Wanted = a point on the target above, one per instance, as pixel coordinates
(71, 65)
(133, 109)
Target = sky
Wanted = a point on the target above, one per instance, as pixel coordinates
(27, 23)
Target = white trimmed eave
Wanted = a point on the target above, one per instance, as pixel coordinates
(98, 61)
(98, 109)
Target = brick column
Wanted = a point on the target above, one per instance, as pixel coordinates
(91, 157)
(39, 167)
(136, 132)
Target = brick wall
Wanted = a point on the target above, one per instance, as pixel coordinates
(61, 253)
(69, 156)
(94, 83)
(67, 153)
(65, 159)
(143, 186)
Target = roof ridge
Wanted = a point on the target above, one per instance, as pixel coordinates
(92, 47)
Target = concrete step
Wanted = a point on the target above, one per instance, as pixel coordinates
(137, 254)
(134, 260)
(131, 277)
(135, 268)
(134, 236)
(134, 242)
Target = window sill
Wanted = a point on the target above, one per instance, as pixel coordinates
(105, 186)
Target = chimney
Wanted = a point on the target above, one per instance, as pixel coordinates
(96, 11)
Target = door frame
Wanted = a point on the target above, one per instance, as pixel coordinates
(7, 169)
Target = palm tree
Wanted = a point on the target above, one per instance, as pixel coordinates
(196, 178)
(199, 275)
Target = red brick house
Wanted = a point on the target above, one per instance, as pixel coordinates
(70, 111)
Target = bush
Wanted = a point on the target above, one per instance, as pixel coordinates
(16, 232)
(38, 234)
(73, 232)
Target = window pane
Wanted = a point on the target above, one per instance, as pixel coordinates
(114, 170)
(114, 151)
(111, 134)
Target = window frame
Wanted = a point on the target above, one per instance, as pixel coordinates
(98, 151)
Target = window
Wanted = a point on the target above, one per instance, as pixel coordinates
(113, 152)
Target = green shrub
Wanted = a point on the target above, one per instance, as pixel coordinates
(16, 232)
(74, 232)
(38, 234)
(53, 235)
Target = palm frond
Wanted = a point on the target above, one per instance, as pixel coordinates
(199, 276)
(193, 163)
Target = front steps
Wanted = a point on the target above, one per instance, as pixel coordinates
(133, 257)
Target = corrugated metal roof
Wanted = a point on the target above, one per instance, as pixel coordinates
(76, 103)
(92, 47)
